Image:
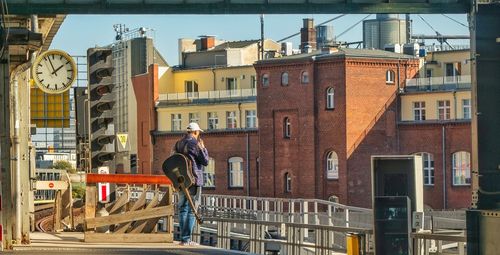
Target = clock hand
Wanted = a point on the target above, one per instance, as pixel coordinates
(51, 65)
(57, 69)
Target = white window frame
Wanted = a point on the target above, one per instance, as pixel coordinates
(444, 111)
(176, 121)
(284, 79)
(466, 108)
(288, 183)
(332, 166)
(428, 167)
(232, 91)
(419, 107)
(389, 77)
(304, 77)
(209, 174)
(287, 128)
(461, 168)
(330, 98)
(253, 82)
(265, 80)
(194, 117)
(191, 88)
(231, 120)
(235, 170)
(251, 118)
(213, 121)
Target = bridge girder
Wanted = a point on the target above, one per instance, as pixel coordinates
(236, 7)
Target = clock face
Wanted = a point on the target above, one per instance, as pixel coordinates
(54, 71)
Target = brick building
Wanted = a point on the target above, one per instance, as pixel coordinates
(322, 115)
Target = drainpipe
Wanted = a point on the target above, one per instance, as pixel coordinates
(443, 134)
(248, 164)
(239, 115)
(215, 78)
(455, 104)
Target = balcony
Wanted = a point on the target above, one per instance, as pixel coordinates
(208, 97)
(431, 84)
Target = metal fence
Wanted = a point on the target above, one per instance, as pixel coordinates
(443, 83)
(208, 96)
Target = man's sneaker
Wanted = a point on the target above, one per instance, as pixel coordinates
(189, 243)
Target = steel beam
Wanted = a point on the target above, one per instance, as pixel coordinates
(237, 7)
(484, 222)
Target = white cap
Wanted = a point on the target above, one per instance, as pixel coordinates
(193, 126)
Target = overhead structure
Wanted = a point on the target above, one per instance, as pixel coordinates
(234, 6)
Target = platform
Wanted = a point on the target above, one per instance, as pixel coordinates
(72, 243)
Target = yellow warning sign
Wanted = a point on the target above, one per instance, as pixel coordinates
(122, 138)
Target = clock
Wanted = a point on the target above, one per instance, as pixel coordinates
(54, 71)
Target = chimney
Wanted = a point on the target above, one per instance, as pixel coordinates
(207, 42)
(307, 36)
(329, 49)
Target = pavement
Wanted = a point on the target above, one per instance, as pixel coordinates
(72, 243)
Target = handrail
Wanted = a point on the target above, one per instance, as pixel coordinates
(371, 124)
(295, 200)
(209, 95)
(439, 237)
(438, 80)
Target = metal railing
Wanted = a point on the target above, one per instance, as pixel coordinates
(443, 83)
(290, 238)
(437, 243)
(311, 226)
(303, 211)
(207, 96)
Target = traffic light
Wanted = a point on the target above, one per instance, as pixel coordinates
(133, 163)
(101, 103)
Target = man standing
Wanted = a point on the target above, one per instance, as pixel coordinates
(191, 146)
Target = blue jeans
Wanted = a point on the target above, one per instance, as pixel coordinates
(186, 215)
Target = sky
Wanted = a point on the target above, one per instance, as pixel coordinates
(80, 32)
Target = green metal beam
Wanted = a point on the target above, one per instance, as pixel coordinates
(226, 7)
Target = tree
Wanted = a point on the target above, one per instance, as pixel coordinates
(64, 165)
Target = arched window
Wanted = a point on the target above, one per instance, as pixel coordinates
(235, 169)
(287, 128)
(332, 165)
(389, 77)
(304, 77)
(284, 79)
(330, 98)
(428, 167)
(461, 168)
(288, 183)
(265, 80)
(209, 174)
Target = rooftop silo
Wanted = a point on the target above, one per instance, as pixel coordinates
(385, 29)
(324, 36)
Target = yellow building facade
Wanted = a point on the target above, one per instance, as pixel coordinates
(459, 105)
(218, 98)
(444, 93)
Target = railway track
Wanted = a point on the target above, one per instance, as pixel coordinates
(44, 217)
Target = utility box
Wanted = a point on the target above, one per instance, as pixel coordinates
(399, 175)
(397, 192)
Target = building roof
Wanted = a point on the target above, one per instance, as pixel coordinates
(342, 52)
(235, 44)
